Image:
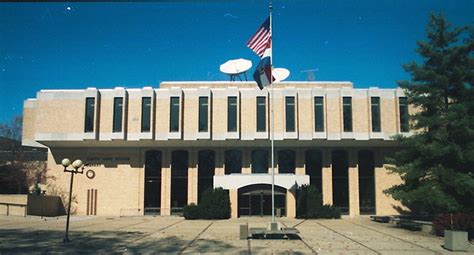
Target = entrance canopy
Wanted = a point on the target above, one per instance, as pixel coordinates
(237, 181)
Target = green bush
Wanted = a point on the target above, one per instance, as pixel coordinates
(214, 204)
(309, 205)
(191, 212)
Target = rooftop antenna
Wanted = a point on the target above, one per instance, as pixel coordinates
(310, 74)
(235, 67)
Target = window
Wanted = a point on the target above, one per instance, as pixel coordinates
(319, 114)
(260, 161)
(152, 185)
(375, 108)
(118, 112)
(347, 113)
(179, 180)
(231, 114)
(290, 114)
(261, 114)
(404, 118)
(89, 121)
(174, 114)
(146, 114)
(206, 167)
(203, 114)
(286, 162)
(314, 167)
(233, 162)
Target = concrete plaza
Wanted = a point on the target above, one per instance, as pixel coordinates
(176, 235)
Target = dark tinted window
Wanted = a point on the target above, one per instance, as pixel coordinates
(319, 114)
(89, 121)
(260, 161)
(231, 114)
(146, 114)
(203, 114)
(375, 108)
(403, 105)
(286, 161)
(206, 167)
(314, 166)
(347, 113)
(233, 162)
(261, 114)
(174, 114)
(153, 179)
(290, 114)
(118, 112)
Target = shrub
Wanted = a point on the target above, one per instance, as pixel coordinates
(191, 212)
(214, 204)
(460, 221)
(309, 205)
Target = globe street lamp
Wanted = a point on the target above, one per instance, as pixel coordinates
(78, 169)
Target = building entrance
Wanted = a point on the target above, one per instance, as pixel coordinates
(256, 200)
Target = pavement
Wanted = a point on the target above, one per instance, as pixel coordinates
(168, 234)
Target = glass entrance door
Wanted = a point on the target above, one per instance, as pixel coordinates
(256, 200)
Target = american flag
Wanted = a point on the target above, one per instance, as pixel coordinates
(261, 40)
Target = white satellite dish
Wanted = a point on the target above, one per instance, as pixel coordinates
(236, 67)
(279, 74)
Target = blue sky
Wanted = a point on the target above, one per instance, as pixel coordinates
(78, 45)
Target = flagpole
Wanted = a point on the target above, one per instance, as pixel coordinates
(273, 119)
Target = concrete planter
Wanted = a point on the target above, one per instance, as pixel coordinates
(455, 240)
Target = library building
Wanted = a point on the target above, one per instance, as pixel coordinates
(155, 150)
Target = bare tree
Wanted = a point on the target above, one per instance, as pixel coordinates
(12, 129)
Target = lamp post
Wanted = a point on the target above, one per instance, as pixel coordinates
(78, 169)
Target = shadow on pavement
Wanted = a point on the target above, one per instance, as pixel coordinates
(45, 241)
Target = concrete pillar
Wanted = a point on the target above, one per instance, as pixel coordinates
(354, 191)
(327, 185)
(220, 160)
(275, 164)
(353, 184)
(246, 161)
(141, 181)
(300, 162)
(380, 179)
(192, 177)
(327, 178)
(166, 183)
(234, 207)
(290, 204)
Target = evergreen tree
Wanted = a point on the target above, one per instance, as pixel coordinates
(437, 162)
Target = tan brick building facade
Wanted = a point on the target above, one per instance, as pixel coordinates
(155, 150)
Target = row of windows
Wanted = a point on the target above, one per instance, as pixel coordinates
(259, 162)
(232, 114)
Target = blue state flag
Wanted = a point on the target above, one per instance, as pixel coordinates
(263, 72)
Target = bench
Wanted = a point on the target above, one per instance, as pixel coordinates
(381, 219)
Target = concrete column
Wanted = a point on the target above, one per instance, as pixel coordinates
(166, 183)
(300, 162)
(233, 196)
(290, 204)
(192, 177)
(380, 178)
(327, 185)
(220, 158)
(327, 178)
(276, 163)
(246, 161)
(141, 181)
(353, 184)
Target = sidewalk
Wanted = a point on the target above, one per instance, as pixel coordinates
(176, 235)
